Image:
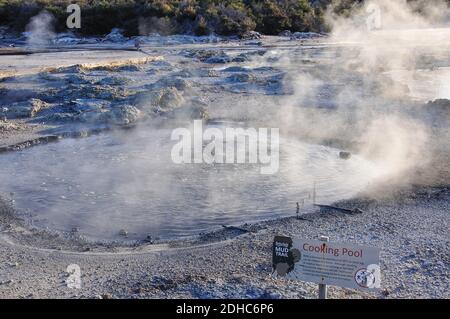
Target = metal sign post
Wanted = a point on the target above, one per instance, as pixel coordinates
(322, 287)
(314, 193)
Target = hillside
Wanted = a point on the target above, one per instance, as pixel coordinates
(198, 17)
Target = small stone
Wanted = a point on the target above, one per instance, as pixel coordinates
(107, 296)
(212, 73)
(123, 233)
(345, 155)
(139, 290)
(270, 295)
(148, 239)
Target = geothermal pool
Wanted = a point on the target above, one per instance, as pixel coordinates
(126, 180)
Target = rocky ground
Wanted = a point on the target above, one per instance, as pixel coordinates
(65, 91)
(411, 229)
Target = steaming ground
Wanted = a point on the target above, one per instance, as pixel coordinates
(326, 97)
(109, 183)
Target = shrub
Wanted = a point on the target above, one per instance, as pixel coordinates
(197, 16)
(201, 28)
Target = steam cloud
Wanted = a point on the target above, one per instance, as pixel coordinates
(360, 91)
(40, 30)
(366, 89)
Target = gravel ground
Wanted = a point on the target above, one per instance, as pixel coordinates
(411, 229)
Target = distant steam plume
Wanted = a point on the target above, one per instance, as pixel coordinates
(40, 29)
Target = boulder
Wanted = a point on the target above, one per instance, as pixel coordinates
(345, 155)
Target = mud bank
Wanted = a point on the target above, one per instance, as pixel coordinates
(12, 65)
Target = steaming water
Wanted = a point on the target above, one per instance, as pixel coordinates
(425, 85)
(105, 183)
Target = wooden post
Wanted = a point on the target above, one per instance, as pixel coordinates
(323, 290)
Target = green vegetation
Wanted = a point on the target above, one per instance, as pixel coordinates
(200, 17)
